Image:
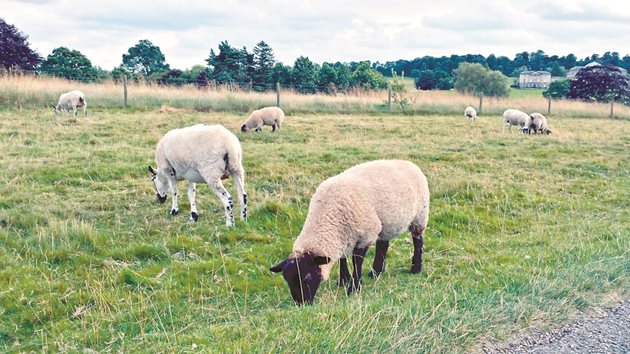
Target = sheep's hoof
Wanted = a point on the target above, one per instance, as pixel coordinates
(354, 288)
(342, 281)
(374, 274)
(416, 268)
(174, 212)
(193, 217)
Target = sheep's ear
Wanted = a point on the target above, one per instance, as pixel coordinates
(152, 171)
(279, 267)
(321, 260)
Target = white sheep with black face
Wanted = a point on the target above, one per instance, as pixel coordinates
(470, 113)
(537, 124)
(200, 153)
(515, 117)
(72, 100)
(373, 202)
(273, 116)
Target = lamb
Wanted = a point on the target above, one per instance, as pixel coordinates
(538, 123)
(272, 116)
(470, 113)
(372, 202)
(71, 100)
(515, 117)
(200, 153)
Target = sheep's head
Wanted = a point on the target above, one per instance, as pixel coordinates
(244, 128)
(56, 109)
(303, 275)
(161, 187)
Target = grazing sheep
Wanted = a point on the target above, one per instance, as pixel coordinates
(265, 116)
(470, 113)
(515, 117)
(373, 202)
(200, 153)
(538, 124)
(71, 100)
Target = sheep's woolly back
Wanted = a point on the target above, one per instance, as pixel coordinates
(265, 116)
(374, 200)
(71, 100)
(199, 147)
(514, 116)
(470, 113)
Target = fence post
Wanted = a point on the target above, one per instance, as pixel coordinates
(611, 108)
(389, 99)
(548, 105)
(125, 88)
(277, 94)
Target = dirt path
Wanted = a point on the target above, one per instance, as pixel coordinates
(608, 333)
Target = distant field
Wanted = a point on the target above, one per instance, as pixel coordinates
(524, 231)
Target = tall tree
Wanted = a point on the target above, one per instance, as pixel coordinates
(231, 64)
(343, 73)
(475, 79)
(365, 77)
(305, 75)
(145, 58)
(69, 64)
(264, 61)
(327, 78)
(15, 51)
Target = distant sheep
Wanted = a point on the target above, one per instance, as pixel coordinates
(71, 100)
(200, 153)
(470, 113)
(373, 202)
(272, 116)
(538, 124)
(515, 117)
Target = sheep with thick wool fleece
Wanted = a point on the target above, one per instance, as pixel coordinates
(71, 100)
(538, 123)
(515, 117)
(470, 113)
(273, 116)
(200, 153)
(372, 202)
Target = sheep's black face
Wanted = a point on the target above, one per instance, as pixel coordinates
(243, 128)
(160, 186)
(303, 275)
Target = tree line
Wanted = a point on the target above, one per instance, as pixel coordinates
(258, 70)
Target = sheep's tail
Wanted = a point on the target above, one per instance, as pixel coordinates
(234, 165)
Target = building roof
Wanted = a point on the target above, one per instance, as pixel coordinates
(534, 73)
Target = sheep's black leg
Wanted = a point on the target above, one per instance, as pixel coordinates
(357, 263)
(379, 259)
(416, 234)
(273, 128)
(344, 273)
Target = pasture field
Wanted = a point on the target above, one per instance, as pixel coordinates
(523, 231)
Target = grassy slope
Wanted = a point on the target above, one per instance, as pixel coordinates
(523, 231)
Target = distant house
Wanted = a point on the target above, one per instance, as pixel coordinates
(534, 79)
(574, 70)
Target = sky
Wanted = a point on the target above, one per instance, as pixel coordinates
(323, 30)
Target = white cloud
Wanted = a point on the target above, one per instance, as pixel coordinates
(323, 30)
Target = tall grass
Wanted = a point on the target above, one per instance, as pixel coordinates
(27, 91)
(524, 231)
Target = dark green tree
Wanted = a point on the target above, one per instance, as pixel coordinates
(69, 64)
(557, 89)
(600, 83)
(281, 74)
(231, 64)
(264, 61)
(305, 75)
(364, 76)
(342, 71)
(15, 51)
(426, 80)
(145, 58)
(327, 78)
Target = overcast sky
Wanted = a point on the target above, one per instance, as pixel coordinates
(323, 30)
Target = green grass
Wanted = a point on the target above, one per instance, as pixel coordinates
(524, 231)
